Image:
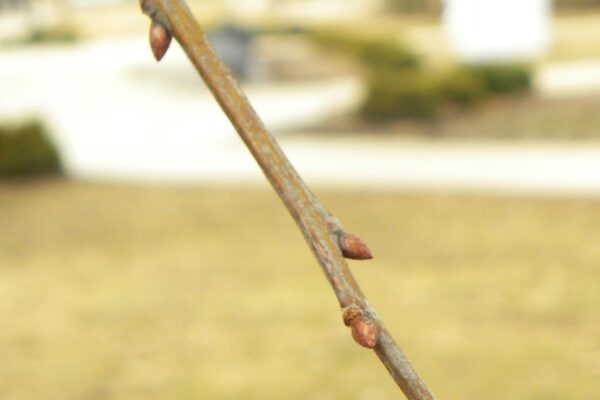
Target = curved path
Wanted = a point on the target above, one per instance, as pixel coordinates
(119, 116)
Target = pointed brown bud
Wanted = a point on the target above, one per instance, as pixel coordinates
(160, 40)
(364, 331)
(354, 247)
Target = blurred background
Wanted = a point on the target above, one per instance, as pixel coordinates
(144, 256)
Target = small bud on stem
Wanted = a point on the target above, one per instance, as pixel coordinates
(350, 314)
(160, 40)
(364, 330)
(354, 247)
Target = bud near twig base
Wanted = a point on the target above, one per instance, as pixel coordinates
(364, 330)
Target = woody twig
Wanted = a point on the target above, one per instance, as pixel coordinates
(323, 233)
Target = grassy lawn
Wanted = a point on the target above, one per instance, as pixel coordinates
(110, 292)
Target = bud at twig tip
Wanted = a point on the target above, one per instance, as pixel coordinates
(354, 247)
(160, 40)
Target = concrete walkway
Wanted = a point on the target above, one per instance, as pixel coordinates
(526, 168)
(118, 116)
(573, 78)
(115, 112)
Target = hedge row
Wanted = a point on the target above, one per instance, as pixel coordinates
(399, 86)
(435, 6)
(26, 150)
(422, 94)
(372, 52)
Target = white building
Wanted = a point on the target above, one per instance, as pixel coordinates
(498, 30)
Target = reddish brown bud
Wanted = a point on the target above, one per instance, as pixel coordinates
(354, 248)
(350, 314)
(364, 331)
(160, 40)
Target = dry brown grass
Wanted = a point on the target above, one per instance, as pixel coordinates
(527, 117)
(113, 292)
(576, 37)
(522, 118)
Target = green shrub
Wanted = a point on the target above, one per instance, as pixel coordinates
(56, 34)
(372, 52)
(399, 87)
(420, 6)
(385, 53)
(25, 150)
(394, 93)
(576, 4)
(434, 6)
(340, 42)
(502, 79)
(462, 88)
(468, 85)
(406, 94)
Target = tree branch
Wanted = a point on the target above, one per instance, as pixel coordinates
(323, 233)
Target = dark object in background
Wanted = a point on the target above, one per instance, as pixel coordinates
(502, 78)
(469, 85)
(234, 45)
(26, 151)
